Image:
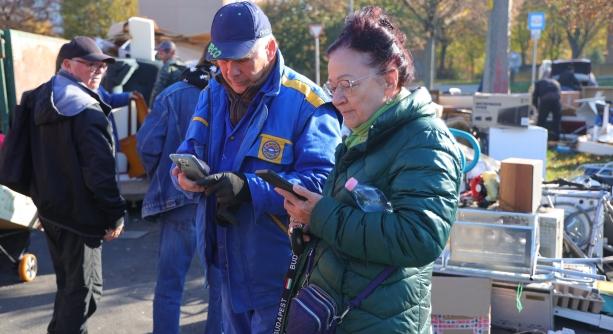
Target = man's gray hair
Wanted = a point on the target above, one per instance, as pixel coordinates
(260, 43)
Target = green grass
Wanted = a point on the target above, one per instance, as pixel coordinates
(520, 87)
(564, 165)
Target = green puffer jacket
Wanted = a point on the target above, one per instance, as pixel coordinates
(411, 156)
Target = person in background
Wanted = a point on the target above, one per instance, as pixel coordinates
(75, 192)
(546, 98)
(399, 146)
(171, 69)
(257, 114)
(160, 135)
(568, 80)
(114, 100)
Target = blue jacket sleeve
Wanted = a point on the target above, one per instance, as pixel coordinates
(198, 128)
(152, 134)
(313, 160)
(193, 142)
(115, 100)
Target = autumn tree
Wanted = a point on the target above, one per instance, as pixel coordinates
(93, 18)
(471, 14)
(28, 15)
(434, 16)
(554, 43)
(581, 21)
(520, 34)
(467, 49)
(290, 24)
(290, 21)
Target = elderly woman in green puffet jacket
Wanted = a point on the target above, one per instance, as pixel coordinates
(398, 145)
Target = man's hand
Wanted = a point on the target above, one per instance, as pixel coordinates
(113, 233)
(136, 95)
(185, 183)
(229, 188)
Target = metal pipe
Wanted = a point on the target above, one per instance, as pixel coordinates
(573, 273)
(572, 260)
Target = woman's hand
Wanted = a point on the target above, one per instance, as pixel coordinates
(185, 183)
(299, 210)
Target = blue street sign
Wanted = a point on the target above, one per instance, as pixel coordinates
(536, 21)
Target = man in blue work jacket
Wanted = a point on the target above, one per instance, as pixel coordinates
(257, 114)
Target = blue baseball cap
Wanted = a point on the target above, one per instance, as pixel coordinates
(236, 27)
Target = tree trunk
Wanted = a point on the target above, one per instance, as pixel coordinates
(576, 43)
(609, 59)
(496, 71)
(429, 70)
(523, 51)
(443, 57)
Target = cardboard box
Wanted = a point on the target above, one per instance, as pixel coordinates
(491, 110)
(591, 91)
(567, 98)
(520, 185)
(461, 305)
(456, 101)
(16, 210)
(536, 312)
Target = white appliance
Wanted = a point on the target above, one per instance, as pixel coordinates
(142, 43)
(527, 143)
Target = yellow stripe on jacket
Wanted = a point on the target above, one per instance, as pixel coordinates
(303, 88)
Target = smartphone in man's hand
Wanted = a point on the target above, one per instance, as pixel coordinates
(194, 168)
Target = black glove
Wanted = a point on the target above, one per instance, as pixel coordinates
(224, 216)
(229, 188)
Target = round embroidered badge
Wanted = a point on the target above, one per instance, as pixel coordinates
(271, 150)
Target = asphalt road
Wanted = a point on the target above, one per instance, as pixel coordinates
(129, 267)
(129, 273)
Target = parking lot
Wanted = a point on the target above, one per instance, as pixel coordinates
(129, 267)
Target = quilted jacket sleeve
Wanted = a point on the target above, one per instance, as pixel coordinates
(423, 188)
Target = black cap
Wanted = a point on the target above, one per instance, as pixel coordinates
(85, 48)
(166, 45)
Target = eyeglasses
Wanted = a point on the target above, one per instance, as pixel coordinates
(93, 67)
(344, 85)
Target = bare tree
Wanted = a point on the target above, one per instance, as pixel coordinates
(28, 15)
(434, 16)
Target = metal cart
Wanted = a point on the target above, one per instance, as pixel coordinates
(14, 245)
(18, 215)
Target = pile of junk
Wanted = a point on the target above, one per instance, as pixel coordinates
(525, 254)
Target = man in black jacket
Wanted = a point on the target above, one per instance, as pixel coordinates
(73, 180)
(546, 98)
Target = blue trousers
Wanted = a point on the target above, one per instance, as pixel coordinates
(177, 248)
(258, 321)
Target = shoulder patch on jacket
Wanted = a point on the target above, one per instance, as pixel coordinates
(201, 120)
(303, 88)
